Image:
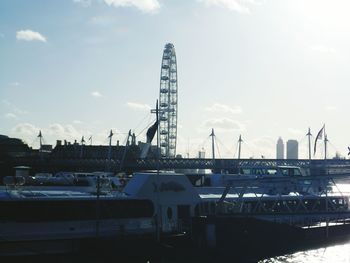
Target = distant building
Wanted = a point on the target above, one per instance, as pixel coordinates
(292, 149)
(201, 154)
(280, 149)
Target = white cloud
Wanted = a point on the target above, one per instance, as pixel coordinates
(322, 49)
(15, 84)
(57, 131)
(240, 6)
(84, 3)
(26, 129)
(224, 124)
(11, 107)
(29, 35)
(147, 6)
(138, 106)
(67, 132)
(10, 116)
(96, 94)
(222, 108)
(103, 139)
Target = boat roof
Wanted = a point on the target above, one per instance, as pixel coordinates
(52, 194)
(214, 197)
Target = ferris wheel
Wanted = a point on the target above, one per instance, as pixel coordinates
(168, 103)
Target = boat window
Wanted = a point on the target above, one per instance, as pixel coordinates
(291, 171)
(285, 171)
(271, 171)
(297, 172)
(245, 171)
(258, 171)
(68, 209)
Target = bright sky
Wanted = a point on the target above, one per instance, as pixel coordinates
(260, 68)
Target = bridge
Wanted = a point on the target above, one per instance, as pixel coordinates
(133, 165)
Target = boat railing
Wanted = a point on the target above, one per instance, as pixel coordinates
(313, 195)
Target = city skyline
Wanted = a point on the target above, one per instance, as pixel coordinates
(78, 68)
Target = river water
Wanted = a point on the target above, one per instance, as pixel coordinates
(332, 253)
(339, 253)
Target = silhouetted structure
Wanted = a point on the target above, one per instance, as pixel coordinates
(292, 149)
(280, 149)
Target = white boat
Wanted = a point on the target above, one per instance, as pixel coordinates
(31, 217)
(154, 205)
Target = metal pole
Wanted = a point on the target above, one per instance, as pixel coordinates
(40, 140)
(125, 150)
(239, 147)
(81, 147)
(309, 137)
(239, 152)
(110, 150)
(97, 207)
(212, 144)
(325, 146)
(325, 150)
(158, 218)
(110, 145)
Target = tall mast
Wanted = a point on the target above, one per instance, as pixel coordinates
(110, 146)
(159, 218)
(82, 145)
(325, 151)
(40, 136)
(309, 138)
(213, 143)
(157, 111)
(325, 145)
(239, 146)
(125, 150)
